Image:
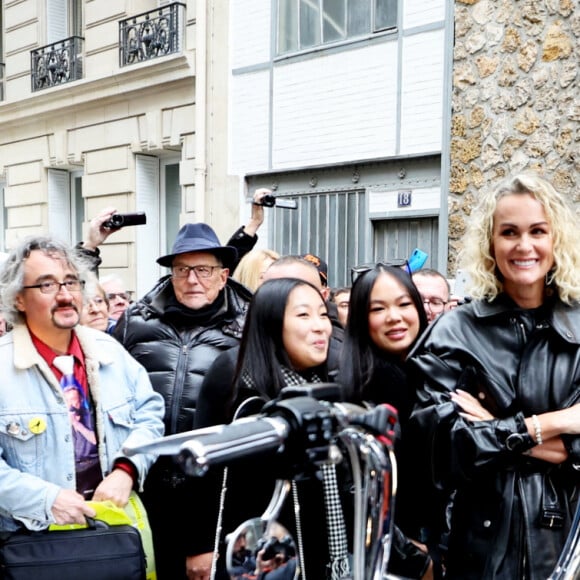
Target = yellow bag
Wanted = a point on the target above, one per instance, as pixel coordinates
(133, 514)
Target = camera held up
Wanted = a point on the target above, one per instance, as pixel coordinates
(272, 200)
(121, 220)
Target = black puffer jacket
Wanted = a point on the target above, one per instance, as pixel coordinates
(177, 359)
(511, 513)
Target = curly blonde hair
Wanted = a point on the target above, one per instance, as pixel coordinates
(477, 255)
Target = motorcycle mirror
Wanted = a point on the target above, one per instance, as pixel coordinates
(256, 545)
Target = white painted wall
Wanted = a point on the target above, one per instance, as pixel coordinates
(420, 13)
(335, 106)
(251, 31)
(422, 92)
(249, 122)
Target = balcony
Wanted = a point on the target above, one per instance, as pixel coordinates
(57, 63)
(151, 34)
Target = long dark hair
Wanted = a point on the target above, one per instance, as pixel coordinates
(361, 353)
(262, 352)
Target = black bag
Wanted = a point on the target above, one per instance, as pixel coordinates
(99, 552)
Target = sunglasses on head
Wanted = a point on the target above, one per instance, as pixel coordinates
(357, 271)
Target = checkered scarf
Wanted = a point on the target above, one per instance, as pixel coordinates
(338, 566)
(337, 539)
(291, 378)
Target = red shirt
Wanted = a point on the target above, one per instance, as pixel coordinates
(80, 374)
(88, 469)
(74, 348)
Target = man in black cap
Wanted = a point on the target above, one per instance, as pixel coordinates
(176, 331)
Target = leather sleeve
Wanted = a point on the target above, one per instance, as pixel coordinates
(406, 559)
(243, 244)
(459, 448)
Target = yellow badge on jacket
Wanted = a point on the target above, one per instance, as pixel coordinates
(37, 425)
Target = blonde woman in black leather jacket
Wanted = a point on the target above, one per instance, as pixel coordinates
(501, 384)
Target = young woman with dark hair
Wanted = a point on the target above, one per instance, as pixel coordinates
(272, 353)
(284, 343)
(386, 317)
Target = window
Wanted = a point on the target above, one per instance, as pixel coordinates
(63, 19)
(66, 207)
(61, 59)
(304, 24)
(158, 194)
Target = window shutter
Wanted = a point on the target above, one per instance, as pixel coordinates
(59, 211)
(56, 20)
(147, 236)
(3, 221)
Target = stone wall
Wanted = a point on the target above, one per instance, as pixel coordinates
(516, 99)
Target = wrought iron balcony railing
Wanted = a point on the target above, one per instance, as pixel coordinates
(57, 63)
(151, 34)
(1, 81)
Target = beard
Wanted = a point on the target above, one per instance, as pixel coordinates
(65, 321)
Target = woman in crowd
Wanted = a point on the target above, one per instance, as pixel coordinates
(95, 312)
(501, 380)
(386, 318)
(252, 266)
(284, 343)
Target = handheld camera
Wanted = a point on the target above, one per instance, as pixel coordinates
(121, 220)
(272, 200)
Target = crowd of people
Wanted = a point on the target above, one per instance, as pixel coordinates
(487, 388)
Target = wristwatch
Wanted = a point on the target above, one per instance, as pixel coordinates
(519, 442)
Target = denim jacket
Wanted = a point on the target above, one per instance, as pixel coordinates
(36, 444)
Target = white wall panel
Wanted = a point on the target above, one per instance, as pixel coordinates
(422, 92)
(249, 120)
(335, 108)
(250, 29)
(420, 13)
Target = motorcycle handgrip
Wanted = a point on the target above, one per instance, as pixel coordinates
(242, 438)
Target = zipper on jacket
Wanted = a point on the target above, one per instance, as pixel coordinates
(180, 372)
(526, 533)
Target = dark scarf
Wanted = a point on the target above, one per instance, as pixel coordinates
(182, 316)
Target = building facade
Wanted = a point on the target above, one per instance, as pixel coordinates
(343, 107)
(114, 104)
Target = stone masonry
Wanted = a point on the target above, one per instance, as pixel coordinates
(515, 101)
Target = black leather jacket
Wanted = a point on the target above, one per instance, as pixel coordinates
(511, 513)
(177, 359)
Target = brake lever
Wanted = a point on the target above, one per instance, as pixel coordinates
(380, 421)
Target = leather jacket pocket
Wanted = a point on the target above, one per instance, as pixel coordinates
(554, 502)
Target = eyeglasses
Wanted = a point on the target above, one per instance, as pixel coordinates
(200, 271)
(54, 287)
(436, 305)
(126, 296)
(97, 301)
(357, 271)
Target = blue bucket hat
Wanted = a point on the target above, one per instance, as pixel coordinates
(199, 238)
